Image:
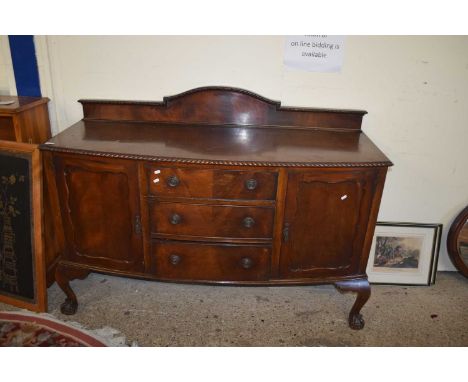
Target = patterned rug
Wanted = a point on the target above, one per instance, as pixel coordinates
(28, 329)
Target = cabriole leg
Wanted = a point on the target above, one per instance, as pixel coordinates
(63, 275)
(362, 288)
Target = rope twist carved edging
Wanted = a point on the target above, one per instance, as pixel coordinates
(155, 158)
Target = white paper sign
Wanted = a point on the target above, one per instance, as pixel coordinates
(322, 53)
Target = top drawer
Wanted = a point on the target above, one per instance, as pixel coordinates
(7, 130)
(211, 183)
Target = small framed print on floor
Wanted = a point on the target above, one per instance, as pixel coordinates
(404, 253)
(22, 269)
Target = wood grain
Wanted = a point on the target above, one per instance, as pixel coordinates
(25, 120)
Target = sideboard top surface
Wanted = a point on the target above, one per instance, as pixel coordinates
(220, 125)
(219, 144)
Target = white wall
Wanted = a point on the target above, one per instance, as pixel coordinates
(7, 80)
(414, 88)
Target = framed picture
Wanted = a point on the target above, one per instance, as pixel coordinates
(404, 253)
(22, 269)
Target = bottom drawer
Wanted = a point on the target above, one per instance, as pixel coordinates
(206, 261)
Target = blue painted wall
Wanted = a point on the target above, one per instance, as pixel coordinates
(23, 55)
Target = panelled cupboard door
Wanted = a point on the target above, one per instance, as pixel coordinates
(100, 210)
(326, 216)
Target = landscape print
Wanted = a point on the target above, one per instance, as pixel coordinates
(397, 252)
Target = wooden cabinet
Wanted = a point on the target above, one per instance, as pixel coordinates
(100, 212)
(325, 213)
(216, 185)
(26, 119)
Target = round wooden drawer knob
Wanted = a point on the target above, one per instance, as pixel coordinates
(175, 219)
(247, 262)
(173, 181)
(248, 222)
(251, 184)
(174, 259)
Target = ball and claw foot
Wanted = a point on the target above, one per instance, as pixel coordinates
(63, 275)
(362, 288)
(69, 307)
(356, 321)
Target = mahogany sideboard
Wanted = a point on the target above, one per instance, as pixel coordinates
(215, 185)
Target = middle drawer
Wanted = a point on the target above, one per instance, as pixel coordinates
(212, 221)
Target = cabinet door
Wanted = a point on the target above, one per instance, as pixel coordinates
(100, 212)
(325, 222)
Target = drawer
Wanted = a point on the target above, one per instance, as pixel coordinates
(209, 183)
(7, 130)
(211, 220)
(190, 261)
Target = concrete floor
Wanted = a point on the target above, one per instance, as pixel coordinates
(165, 314)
